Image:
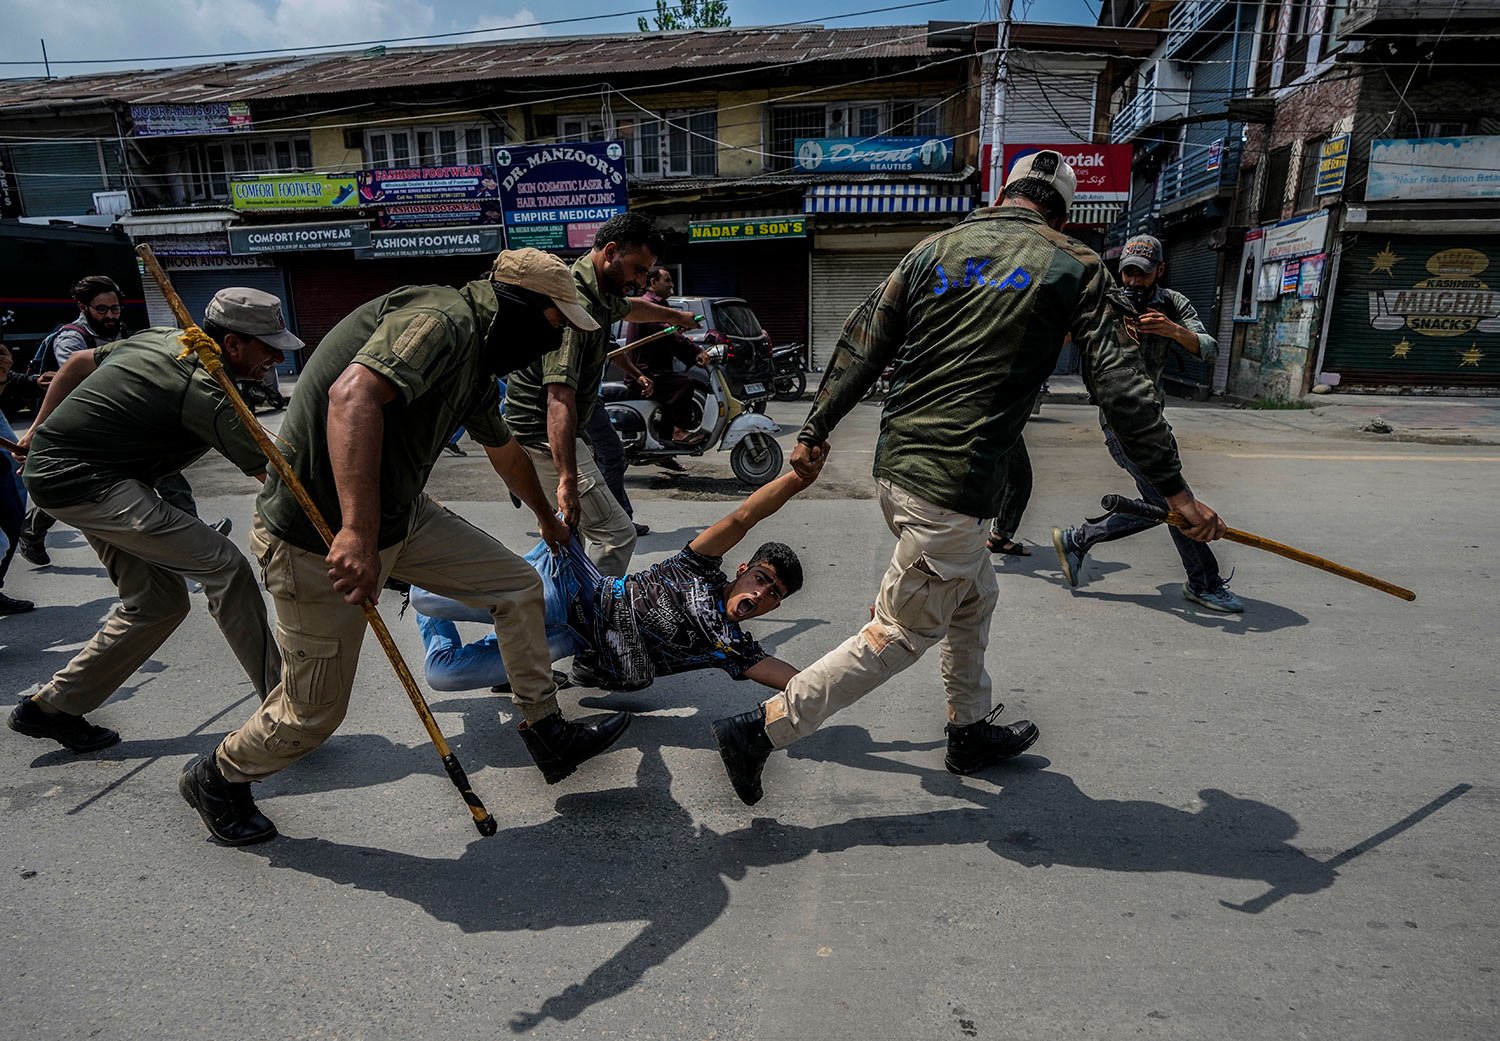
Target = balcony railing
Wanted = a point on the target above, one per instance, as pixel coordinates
(1152, 105)
(1145, 221)
(1361, 16)
(1200, 175)
(1188, 18)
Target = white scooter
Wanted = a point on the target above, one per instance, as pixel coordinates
(748, 437)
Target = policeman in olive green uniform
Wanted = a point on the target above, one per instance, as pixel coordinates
(370, 416)
(101, 441)
(548, 402)
(977, 315)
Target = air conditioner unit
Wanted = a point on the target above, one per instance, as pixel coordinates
(113, 203)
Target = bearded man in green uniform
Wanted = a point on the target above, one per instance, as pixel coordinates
(115, 421)
(371, 413)
(548, 402)
(974, 317)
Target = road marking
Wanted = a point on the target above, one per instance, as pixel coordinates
(1349, 457)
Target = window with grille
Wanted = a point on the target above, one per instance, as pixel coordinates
(789, 122)
(679, 144)
(921, 117)
(211, 165)
(1307, 174)
(455, 144)
(1278, 165)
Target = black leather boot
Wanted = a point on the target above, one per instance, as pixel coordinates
(226, 807)
(980, 744)
(559, 746)
(72, 732)
(744, 747)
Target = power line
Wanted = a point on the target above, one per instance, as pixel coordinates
(265, 126)
(324, 48)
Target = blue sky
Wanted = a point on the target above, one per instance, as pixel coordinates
(152, 29)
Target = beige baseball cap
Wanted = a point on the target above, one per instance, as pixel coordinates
(253, 313)
(1048, 167)
(543, 273)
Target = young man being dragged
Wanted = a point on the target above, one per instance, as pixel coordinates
(681, 614)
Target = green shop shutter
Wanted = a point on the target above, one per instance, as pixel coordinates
(58, 179)
(1416, 311)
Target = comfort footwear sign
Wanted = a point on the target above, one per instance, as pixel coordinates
(298, 238)
(747, 230)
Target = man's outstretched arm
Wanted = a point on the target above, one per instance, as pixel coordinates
(772, 672)
(724, 535)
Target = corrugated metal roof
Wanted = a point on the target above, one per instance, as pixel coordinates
(675, 56)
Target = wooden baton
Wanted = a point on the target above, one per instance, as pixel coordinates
(1138, 508)
(668, 331)
(198, 342)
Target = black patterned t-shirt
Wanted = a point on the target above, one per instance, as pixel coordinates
(667, 619)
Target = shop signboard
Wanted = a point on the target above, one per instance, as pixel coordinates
(414, 196)
(1102, 171)
(295, 192)
(1333, 164)
(298, 238)
(1297, 237)
(1434, 168)
(1247, 287)
(556, 196)
(840, 155)
(1214, 159)
(750, 229)
(432, 242)
(177, 120)
(10, 191)
(1310, 277)
(1418, 309)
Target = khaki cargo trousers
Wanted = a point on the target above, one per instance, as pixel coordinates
(149, 549)
(940, 588)
(321, 635)
(607, 530)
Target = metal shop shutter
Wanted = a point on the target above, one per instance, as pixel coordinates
(841, 282)
(328, 286)
(1193, 270)
(1047, 108)
(57, 179)
(197, 288)
(770, 276)
(1414, 310)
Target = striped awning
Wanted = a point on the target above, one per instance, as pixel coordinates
(1095, 212)
(888, 198)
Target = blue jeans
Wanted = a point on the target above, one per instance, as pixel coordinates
(451, 664)
(1197, 559)
(12, 503)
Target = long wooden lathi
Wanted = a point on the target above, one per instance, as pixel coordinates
(196, 341)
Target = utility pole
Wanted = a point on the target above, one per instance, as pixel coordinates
(997, 110)
(45, 63)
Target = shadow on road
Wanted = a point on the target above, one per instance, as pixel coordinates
(606, 856)
(1260, 616)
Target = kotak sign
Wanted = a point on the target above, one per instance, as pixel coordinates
(1103, 171)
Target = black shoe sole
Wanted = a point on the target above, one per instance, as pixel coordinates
(568, 771)
(185, 788)
(21, 728)
(731, 757)
(964, 771)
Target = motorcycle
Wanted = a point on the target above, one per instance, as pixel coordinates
(262, 393)
(748, 437)
(791, 371)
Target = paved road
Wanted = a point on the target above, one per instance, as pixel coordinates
(1268, 827)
